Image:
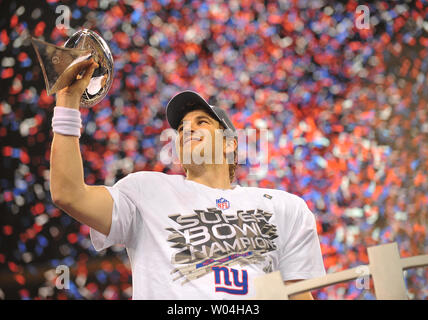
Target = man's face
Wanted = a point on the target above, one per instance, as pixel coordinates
(200, 140)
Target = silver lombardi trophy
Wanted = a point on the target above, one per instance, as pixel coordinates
(57, 61)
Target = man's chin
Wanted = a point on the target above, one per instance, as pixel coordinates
(190, 154)
(190, 161)
(196, 160)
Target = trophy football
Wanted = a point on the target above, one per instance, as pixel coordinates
(57, 61)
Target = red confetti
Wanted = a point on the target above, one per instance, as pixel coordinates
(7, 151)
(13, 266)
(46, 101)
(24, 293)
(14, 21)
(7, 230)
(8, 196)
(84, 229)
(20, 279)
(72, 238)
(4, 37)
(7, 73)
(37, 209)
(24, 157)
(39, 29)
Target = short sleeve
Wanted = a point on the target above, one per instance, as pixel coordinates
(301, 256)
(123, 217)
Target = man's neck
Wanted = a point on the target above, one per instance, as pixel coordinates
(214, 176)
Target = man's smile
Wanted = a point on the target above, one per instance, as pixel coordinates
(192, 138)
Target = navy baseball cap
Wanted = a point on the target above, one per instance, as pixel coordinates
(187, 101)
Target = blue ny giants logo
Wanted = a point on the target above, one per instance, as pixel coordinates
(235, 286)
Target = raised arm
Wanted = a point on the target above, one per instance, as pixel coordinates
(91, 205)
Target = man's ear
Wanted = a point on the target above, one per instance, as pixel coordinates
(230, 146)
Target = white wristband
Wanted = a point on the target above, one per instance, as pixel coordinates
(66, 121)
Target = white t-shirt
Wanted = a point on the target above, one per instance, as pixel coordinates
(186, 240)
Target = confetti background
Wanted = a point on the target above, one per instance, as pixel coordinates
(346, 109)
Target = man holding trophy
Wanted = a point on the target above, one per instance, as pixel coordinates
(193, 237)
